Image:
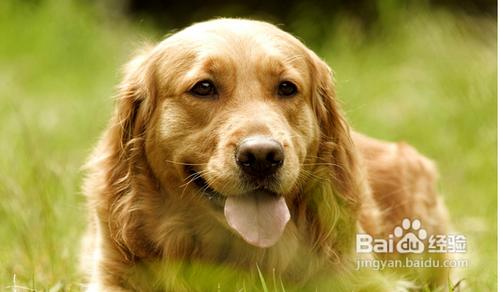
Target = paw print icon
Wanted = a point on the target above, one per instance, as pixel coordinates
(411, 237)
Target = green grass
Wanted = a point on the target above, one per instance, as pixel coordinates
(425, 77)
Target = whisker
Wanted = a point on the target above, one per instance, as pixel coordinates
(320, 163)
(184, 163)
(310, 174)
(194, 177)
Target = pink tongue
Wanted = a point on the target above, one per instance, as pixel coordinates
(259, 217)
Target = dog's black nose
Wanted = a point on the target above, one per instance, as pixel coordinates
(260, 156)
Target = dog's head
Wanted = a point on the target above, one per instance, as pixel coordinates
(240, 117)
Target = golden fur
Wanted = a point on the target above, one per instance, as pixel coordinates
(144, 207)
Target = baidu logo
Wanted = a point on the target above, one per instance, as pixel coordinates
(411, 238)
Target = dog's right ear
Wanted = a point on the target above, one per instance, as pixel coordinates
(120, 152)
(135, 100)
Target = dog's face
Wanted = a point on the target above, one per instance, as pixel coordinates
(235, 121)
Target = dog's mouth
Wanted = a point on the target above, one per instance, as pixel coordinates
(259, 216)
(205, 189)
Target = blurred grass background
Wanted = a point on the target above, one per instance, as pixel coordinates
(426, 74)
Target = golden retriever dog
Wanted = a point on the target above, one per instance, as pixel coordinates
(228, 148)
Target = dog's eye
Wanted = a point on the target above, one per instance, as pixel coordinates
(286, 89)
(204, 88)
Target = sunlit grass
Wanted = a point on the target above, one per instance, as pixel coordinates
(431, 80)
(425, 77)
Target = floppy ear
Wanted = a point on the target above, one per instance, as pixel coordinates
(334, 200)
(119, 159)
(336, 145)
(135, 101)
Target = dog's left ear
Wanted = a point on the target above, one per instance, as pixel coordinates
(336, 146)
(333, 201)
